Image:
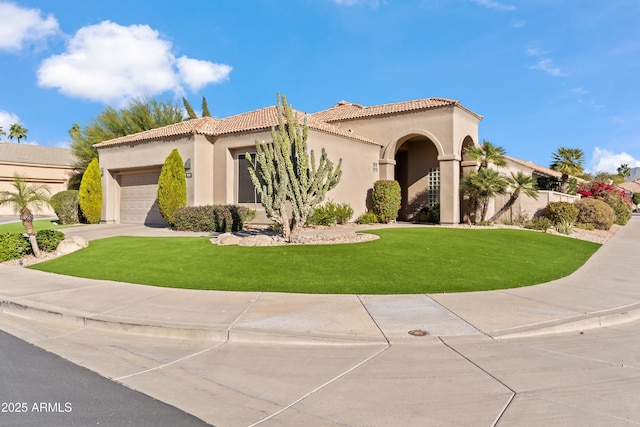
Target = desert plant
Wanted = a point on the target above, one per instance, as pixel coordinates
(558, 212)
(25, 197)
(367, 217)
(595, 212)
(284, 171)
(344, 213)
(386, 198)
(65, 205)
(567, 161)
(564, 226)
(48, 240)
(90, 193)
(172, 186)
(12, 246)
(432, 215)
(323, 215)
(482, 186)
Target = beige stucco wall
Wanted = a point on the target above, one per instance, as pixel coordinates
(55, 177)
(447, 128)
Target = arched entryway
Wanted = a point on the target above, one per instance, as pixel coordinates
(418, 172)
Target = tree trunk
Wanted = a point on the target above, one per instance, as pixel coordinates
(31, 233)
(286, 227)
(507, 206)
(485, 206)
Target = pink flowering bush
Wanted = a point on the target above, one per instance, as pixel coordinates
(617, 199)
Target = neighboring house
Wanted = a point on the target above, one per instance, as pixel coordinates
(419, 143)
(630, 187)
(38, 165)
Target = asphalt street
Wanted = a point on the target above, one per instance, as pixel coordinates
(39, 388)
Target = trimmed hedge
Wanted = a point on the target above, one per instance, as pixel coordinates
(16, 245)
(90, 194)
(386, 198)
(561, 212)
(65, 205)
(212, 218)
(172, 186)
(13, 245)
(595, 212)
(48, 240)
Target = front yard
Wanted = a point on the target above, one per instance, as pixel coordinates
(412, 260)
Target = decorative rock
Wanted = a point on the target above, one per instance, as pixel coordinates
(226, 239)
(71, 244)
(257, 240)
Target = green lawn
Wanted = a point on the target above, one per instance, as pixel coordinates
(415, 260)
(39, 224)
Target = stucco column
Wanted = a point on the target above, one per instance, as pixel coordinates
(110, 198)
(387, 169)
(449, 189)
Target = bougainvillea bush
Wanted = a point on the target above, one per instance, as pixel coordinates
(617, 199)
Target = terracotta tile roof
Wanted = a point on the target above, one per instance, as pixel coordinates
(263, 118)
(344, 110)
(536, 168)
(631, 186)
(35, 154)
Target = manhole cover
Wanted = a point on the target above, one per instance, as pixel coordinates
(418, 333)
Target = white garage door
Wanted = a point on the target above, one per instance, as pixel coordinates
(138, 204)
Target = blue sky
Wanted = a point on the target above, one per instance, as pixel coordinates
(543, 73)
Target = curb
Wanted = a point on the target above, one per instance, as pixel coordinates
(159, 330)
(580, 323)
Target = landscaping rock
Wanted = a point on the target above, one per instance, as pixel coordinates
(71, 244)
(226, 239)
(257, 240)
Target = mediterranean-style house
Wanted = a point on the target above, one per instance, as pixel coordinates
(38, 165)
(420, 143)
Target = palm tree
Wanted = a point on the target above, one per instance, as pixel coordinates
(487, 153)
(2, 132)
(520, 183)
(17, 131)
(624, 171)
(567, 161)
(22, 199)
(483, 186)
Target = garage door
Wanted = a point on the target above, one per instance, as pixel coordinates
(138, 204)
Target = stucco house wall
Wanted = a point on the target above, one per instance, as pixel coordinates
(38, 165)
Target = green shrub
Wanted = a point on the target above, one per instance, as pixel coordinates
(324, 215)
(386, 200)
(331, 213)
(48, 240)
(595, 212)
(636, 198)
(344, 213)
(13, 245)
(367, 218)
(433, 214)
(65, 205)
(172, 186)
(484, 223)
(585, 226)
(621, 207)
(559, 212)
(216, 218)
(90, 193)
(538, 223)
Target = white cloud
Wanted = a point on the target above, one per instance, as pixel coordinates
(18, 26)
(6, 120)
(606, 161)
(491, 4)
(546, 65)
(518, 23)
(534, 51)
(579, 91)
(112, 63)
(196, 73)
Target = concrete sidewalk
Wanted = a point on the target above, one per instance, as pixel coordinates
(603, 292)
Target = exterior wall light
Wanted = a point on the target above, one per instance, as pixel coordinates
(187, 165)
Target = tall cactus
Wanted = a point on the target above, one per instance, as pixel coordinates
(285, 171)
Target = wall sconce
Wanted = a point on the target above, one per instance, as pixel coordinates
(101, 171)
(187, 165)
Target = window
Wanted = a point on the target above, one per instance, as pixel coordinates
(434, 186)
(246, 190)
